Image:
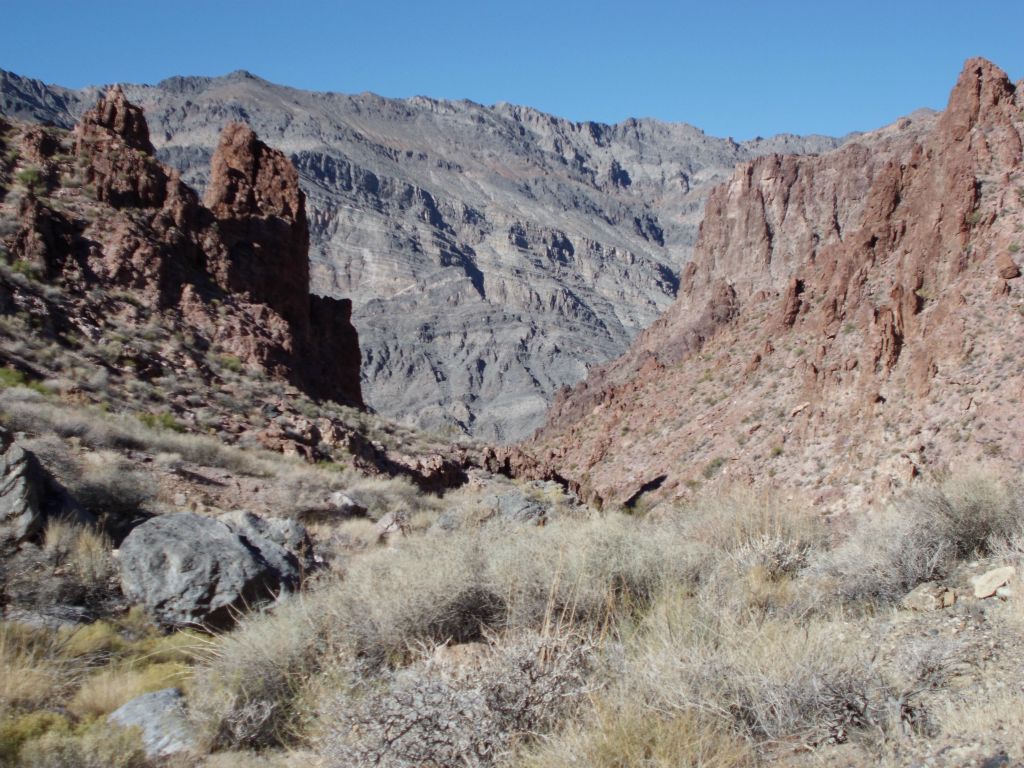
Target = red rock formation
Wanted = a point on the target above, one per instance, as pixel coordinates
(254, 195)
(114, 139)
(837, 312)
(236, 272)
(260, 210)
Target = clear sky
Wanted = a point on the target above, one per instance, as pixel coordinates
(732, 68)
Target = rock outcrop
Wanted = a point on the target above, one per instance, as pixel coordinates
(493, 254)
(193, 570)
(849, 322)
(234, 272)
(29, 496)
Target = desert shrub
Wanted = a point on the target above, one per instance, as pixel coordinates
(922, 538)
(970, 513)
(769, 680)
(248, 687)
(31, 179)
(398, 495)
(15, 731)
(161, 420)
(433, 714)
(12, 377)
(83, 551)
(740, 517)
(772, 555)
(29, 411)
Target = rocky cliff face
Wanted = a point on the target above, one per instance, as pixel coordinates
(493, 254)
(233, 274)
(848, 323)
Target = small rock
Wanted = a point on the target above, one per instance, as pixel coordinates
(161, 717)
(986, 584)
(998, 760)
(928, 597)
(346, 505)
(1006, 267)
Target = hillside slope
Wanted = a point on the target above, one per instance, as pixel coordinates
(493, 254)
(849, 322)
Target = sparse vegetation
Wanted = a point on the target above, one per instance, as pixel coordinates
(438, 628)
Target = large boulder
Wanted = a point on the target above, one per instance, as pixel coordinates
(194, 570)
(162, 720)
(29, 496)
(282, 542)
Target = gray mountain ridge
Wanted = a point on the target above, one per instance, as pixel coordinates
(493, 253)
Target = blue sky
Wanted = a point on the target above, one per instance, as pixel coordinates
(733, 69)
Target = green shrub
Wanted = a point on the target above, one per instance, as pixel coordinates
(14, 732)
(12, 377)
(230, 362)
(162, 420)
(31, 179)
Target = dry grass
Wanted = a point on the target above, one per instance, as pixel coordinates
(34, 673)
(85, 552)
(96, 747)
(249, 686)
(29, 411)
(627, 734)
(103, 692)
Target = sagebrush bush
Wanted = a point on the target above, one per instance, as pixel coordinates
(771, 679)
(922, 538)
(434, 714)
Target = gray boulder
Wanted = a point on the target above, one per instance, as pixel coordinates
(161, 718)
(29, 496)
(282, 542)
(515, 507)
(508, 505)
(194, 570)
